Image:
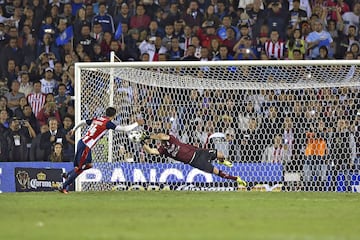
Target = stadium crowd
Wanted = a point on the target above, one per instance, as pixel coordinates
(41, 40)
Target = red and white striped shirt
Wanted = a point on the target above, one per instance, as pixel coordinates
(275, 50)
(99, 126)
(36, 101)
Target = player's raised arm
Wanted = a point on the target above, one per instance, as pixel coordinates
(130, 127)
(80, 124)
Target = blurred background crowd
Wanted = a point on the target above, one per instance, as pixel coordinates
(40, 40)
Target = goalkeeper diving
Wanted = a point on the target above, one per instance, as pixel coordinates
(188, 154)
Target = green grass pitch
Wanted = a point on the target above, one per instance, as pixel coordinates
(179, 215)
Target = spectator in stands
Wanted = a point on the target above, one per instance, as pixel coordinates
(355, 49)
(47, 27)
(12, 52)
(132, 50)
(148, 46)
(193, 16)
(67, 14)
(295, 42)
(48, 83)
(274, 47)
(36, 153)
(54, 135)
(223, 54)
(206, 34)
(323, 53)
(49, 110)
(340, 154)
(69, 80)
(79, 21)
(159, 49)
(54, 12)
(271, 124)
(18, 137)
(336, 8)
(58, 71)
(89, 9)
(4, 106)
(250, 138)
(297, 14)
(18, 111)
(172, 14)
(10, 74)
(244, 50)
(4, 151)
(350, 18)
(36, 99)
(169, 34)
(97, 56)
(85, 40)
(118, 7)
(225, 24)
(277, 17)
(318, 38)
(104, 19)
(154, 30)
(175, 53)
(57, 154)
(230, 40)
(14, 96)
(189, 54)
(26, 86)
(124, 16)
(140, 20)
(179, 28)
(80, 52)
(68, 124)
(344, 42)
(29, 116)
(48, 46)
(275, 152)
(214, 48)
(62, 99)
(297, 55)
(105, 44)
(211, 17)
(97, 32)
(195, 41)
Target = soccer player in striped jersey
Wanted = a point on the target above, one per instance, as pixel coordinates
(188, 154)
(98, 128)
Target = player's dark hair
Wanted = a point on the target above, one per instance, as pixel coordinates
(110, 112)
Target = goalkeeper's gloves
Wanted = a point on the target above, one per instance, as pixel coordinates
(145, 136)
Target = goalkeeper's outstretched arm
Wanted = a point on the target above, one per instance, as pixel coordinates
(150, 150)
(155, 136)
(160, 136)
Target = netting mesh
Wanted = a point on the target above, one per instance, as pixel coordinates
(301, 119)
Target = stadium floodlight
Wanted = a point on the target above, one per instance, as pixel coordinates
(299, 114)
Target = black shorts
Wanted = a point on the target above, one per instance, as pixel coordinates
(202, 160)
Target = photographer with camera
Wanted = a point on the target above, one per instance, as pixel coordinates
(18, 137)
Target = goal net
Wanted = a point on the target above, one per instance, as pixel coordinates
(286, 125)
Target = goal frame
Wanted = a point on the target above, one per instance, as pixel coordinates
(265, 63)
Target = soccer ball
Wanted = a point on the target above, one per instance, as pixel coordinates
(135, 136)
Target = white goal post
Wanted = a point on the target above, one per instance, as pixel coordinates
(289, 125)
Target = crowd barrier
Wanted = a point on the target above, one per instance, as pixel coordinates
(46, 176)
